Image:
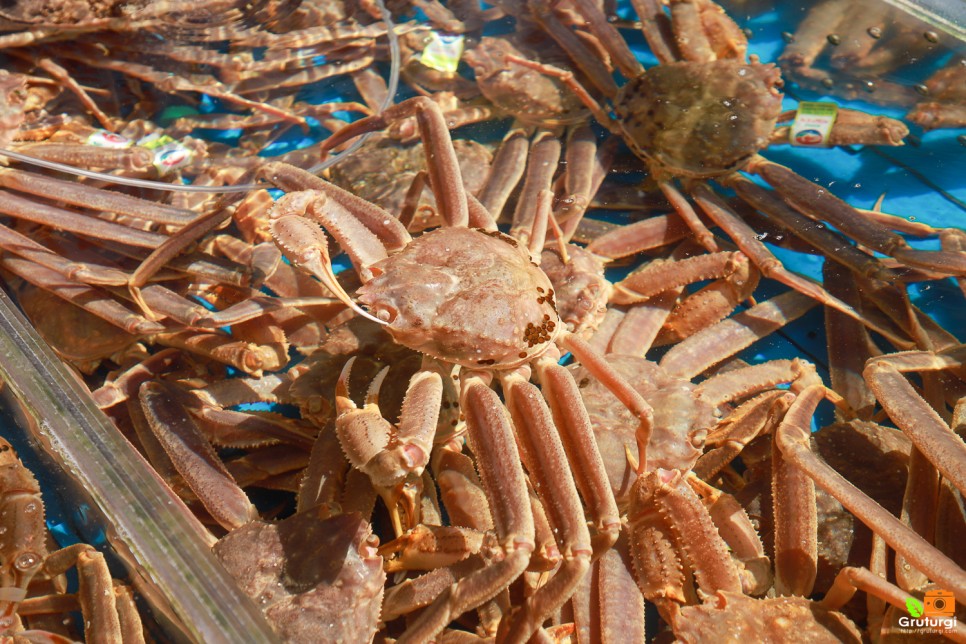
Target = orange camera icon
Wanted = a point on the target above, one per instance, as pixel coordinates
(939, 603)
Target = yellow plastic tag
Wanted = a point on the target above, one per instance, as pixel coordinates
(813, 124)
(443, 52)
(154, 140)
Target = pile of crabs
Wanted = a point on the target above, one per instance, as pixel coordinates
(409, 400)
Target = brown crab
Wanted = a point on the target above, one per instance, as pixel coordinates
(705, 113)
(475, 298)
(109, 610)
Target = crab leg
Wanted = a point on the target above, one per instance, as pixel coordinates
(689, 523)
(609, 607)
(491, 439)
(507, 169)
(819, 204)
(23, 548)
(639, 236)
(656, 27)
(391, 233)
(42, 213)
(850, 579)
(749, 244)
(735, 527)
(541, 166)
(953, 240)
(850, 344)
(629, 397)
(793, 440)
(704, 32)
(660, 275)
(27, 248)
(583, 168)
(642, 323)
(306, 244)
(829, 243)
(924, 427)
(571, 419)
(133, 159)
(194, 457)
(715, 343)
(444, 173)
(757, 417)
(543, 456)
(78, 194)
(391, 457)
(589, 62)
(91, 299)
(796, 518)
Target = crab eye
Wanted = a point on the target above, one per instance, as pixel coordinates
(385, 313)
(697, 438)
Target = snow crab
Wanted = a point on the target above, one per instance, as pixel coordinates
(705, 113)
(465, 294)
(108, 609)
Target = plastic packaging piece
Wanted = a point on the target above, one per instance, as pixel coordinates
(149, 526)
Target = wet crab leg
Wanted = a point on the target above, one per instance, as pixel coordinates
(695, 22)
(541, 166)
(920, 422)
(639, 236)
(583, 166)
(658, 275)
(736, 529)
(390, 232)
(829, 243)
(543, 456)
(78, 194)
(756, 417)
(747, 241)
(823, 205)
(25, 247)
(573, 423)
(793, 440)
(509, 164)
(795, 515)
(133, 159)
(640, 326)
(48, 215)
(307, 245)
(588, 62)
(490, 436)
(689, 524)
(715, 343)
(608, 602)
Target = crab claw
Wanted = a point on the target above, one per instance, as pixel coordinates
(393, 457)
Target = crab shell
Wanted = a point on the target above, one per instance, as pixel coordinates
(701, 119)
(465, 296)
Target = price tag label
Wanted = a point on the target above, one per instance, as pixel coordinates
(813, 124)
(105, 139)
(443, 52)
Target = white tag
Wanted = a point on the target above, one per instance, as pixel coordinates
(171, 156)
(813, 124)
(105, 139)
